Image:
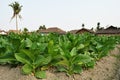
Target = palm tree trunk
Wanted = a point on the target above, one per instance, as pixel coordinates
(16, 23)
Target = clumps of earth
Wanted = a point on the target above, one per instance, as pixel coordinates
(108, 68)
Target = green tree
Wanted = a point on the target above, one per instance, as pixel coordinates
(25, 30)
(16, 10)
(92, 29)
(98, 27)
(43, 27)
(83, 25)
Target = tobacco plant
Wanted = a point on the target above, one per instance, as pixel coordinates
(70, 53)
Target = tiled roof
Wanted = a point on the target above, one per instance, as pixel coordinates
(3, 32)
(81, 31)
(15, 31)
(109, 30)
(86, 30)
(73, 31)
(52, 30)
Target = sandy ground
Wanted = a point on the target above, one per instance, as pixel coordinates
(108, 68)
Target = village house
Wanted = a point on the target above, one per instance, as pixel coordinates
(52, 30)
(73, 31)
(3, 32)
(80, 31)
(111, 30)
(14, 31)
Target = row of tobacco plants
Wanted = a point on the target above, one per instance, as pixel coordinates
(70, 53)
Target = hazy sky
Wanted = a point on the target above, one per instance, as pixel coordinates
(65, 14)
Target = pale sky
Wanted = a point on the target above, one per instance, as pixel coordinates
(65, 14)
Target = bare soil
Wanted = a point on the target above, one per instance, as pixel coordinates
(108, 68)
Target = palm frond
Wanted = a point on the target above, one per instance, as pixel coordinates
(16, 9)
(12, 17)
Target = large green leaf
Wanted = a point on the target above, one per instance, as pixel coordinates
(77, 69)
(73, 51)
(22, 58)
(28, 53)
(47, 60)
(27, 69)
(39, 60)
(61, 69)
(81, 46)
(61, 51)
(16, 44)
(64, 62)
(40, 74)
(42, 46)
(82, 59)
(91, 64)
(28, 42)
(51, 47)
(7, 58)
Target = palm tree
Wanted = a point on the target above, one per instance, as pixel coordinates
(43, 27)
(98, 27)
(83, 25)
(16, 10)
(98, 24)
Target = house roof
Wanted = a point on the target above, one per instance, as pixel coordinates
(81, 31)
(73, 31)
(15, 31)
(2, 32)
(109, 30)
(52, 30)
(86, 30)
